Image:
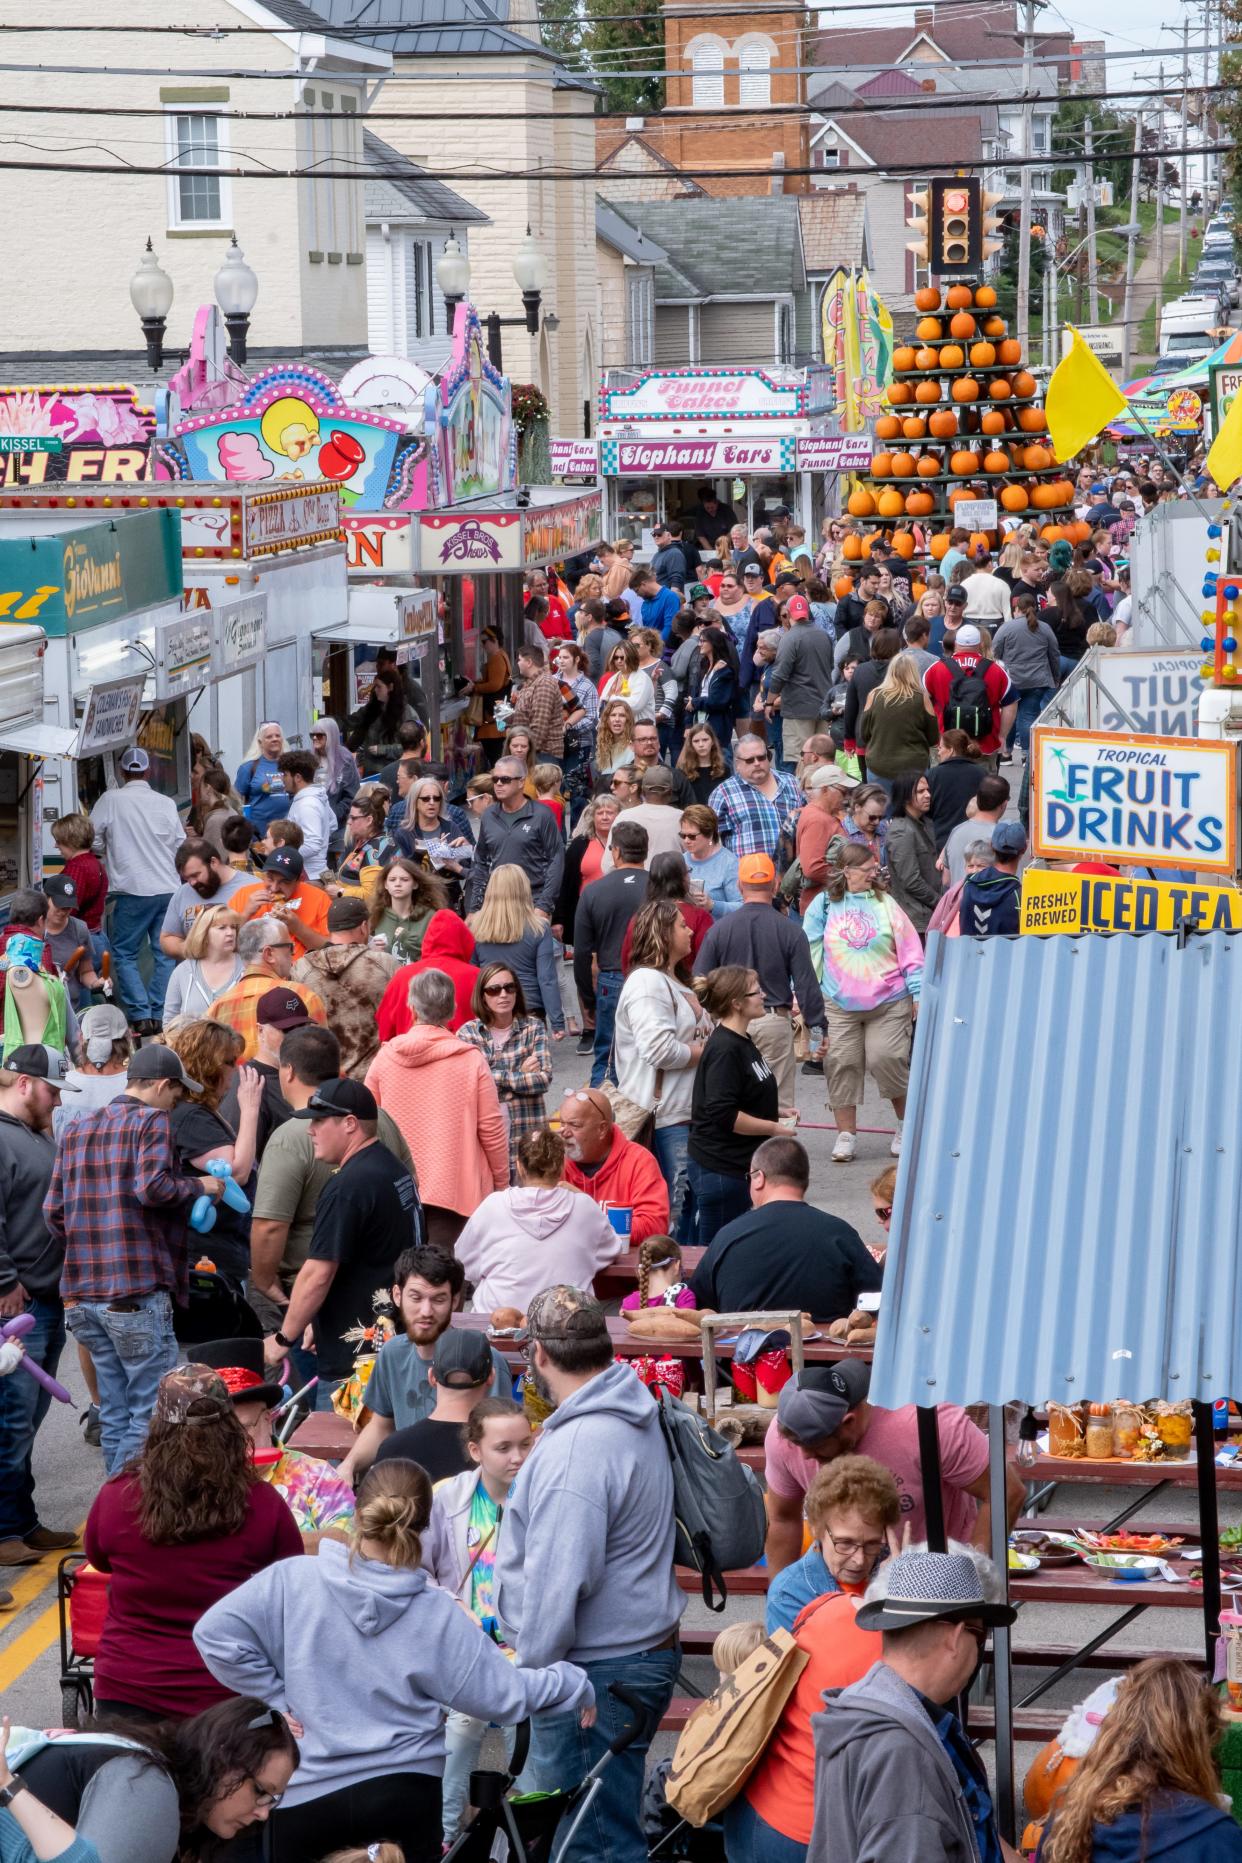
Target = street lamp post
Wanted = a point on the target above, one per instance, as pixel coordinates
(530, 272)
(151, 294)
(236, 291)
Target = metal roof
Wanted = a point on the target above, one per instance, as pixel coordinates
(1068, 1216)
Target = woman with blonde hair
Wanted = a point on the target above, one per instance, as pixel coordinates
(1148, 1789)
(623, 680)
(429, 824)
(898, 728)
(366, 1616)
(619, 569)
(508, 930)
(614, 741)
(210, 965)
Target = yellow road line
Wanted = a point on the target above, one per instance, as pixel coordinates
(28, 1647)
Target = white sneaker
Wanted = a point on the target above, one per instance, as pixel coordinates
(844, 1149)
(895, 1147)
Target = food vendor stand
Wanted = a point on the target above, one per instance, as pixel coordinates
(1063, 1269)
(25, 741)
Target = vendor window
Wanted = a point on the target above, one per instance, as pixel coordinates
(638, 507)
(196, 142)
(766, 494)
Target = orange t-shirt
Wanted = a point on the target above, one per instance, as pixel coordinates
(309, 902)
(782, 1788)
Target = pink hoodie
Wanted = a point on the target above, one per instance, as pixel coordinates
(442, 1096)
(534, 1236)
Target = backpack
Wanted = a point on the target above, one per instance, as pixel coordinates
(969, 708)
(717, 1501)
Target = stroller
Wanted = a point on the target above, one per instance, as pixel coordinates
(532, 1824)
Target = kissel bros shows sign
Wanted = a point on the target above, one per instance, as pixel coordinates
(1139, 801)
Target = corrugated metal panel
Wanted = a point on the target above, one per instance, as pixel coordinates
(1069, 1204)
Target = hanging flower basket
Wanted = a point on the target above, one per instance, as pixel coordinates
(530, 404)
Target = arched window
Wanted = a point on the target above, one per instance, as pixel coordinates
(707, 58)
(754, 63)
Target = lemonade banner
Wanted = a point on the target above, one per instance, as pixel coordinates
(1088, 902)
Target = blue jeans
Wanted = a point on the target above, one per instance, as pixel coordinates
(717, 1198)
(131, 1351)
(322, 1392)
(136, 921)
(671, 1153)
(1031, 702)
(607, 991)
(563, 1752)
(23, 1406)
(751, 1839)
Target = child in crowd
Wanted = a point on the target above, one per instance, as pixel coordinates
(547, 781)
(661, 1283)
(74, 835)
(467, 1513)
(883, 1189)
(734, 1644)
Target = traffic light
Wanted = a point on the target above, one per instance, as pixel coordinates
(957, 227)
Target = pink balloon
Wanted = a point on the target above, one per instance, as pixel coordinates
(13, 1329)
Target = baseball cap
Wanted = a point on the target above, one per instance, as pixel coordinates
(339, 1099)
(461, 1360)
(60, 889)
(955, 597)
(346, 914)
(1098, 490)
(104, 1021)
(829, 776)
(815, 1403)
(136, 759)
(1008, 839)
(753, 569)
(798, 608)
(786, 577)
(287, 862)
(281, 1008)
(755, 870)
(698, 592)
(968, 636)
(156, 1062)
(40, 1063)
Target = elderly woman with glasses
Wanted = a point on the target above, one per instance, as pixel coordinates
(517, 1049)
(430, 832)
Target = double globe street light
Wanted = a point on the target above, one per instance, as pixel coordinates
(151, 294)
(530, 271)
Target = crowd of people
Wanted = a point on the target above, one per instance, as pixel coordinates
(278, 1105)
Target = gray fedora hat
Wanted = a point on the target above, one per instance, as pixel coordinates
(923, 1587)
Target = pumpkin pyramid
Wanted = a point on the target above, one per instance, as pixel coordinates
(967, 422)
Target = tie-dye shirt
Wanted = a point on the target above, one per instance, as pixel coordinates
(866, 951)
(316, 1495)
(483, 1525)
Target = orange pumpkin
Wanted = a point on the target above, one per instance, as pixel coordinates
(952, 356)
(903, 544)
(961, 325)
(996, 462)
(964, 464)
(1078, 532)
(1009, 352)
(890, 504)
(927, 393)
(985, 297)
(994, 327)
(913, 427)
(903, 358)
(927, 298)
(929, 465)
(992, 422)
(888, 427)
(1024, 384)
(939, 545)
(927, 359)
(1044, 497)
(844, 585)
(1064, 490)
(982, 355)
(920, 504)
(1032, 420)
(867, 542)
(900, 393)
(918, 590)
(1051, 533)
(861, 503)
(1049, 1774)
(1036, 458)
(927, 330)
(958, 297)
(903, 465)
(965, 388)
(881, 465)
(851, 548)
(999, 389)
(1014, 498)
(979, 540)
(942, 425)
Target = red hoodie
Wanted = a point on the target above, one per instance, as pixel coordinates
(629, 1176)
(447, 946)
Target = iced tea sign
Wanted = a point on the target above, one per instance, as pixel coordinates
(1139, 801)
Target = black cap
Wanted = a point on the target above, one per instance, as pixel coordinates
(156, 1062)
(287, 862)
(347, 913)
(40, 1063)
(955, 594)
(338, 1099)
(59, 888)
(462, 1361)
(281, 1008)
(787, 576)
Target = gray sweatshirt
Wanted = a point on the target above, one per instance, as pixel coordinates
(1031, 659)
(803, 671)
(368, 1657)
(27, 1252)
(885, 1789)
(590, 1524)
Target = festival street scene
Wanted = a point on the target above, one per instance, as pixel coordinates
(620, 849)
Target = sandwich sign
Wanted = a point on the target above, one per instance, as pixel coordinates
(1139, 801)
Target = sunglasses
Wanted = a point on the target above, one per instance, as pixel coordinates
(506, 779)
(884, 1211)
(501, 989)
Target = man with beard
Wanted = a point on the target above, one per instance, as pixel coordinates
(31, 1083)
(206, 879)
(427, 1289)
(612, 1170)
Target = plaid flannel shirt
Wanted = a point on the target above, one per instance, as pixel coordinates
(539, 707)
(238, 1007)
(749, 822)
(119, 1202)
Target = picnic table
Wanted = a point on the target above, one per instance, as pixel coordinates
(821, 1351)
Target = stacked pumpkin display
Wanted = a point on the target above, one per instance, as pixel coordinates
(964, 410)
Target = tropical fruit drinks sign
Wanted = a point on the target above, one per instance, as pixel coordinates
(1138, 801)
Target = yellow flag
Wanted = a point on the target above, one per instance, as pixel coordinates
(1082, 398)
(1224, 461)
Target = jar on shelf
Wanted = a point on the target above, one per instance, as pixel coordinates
(1175, 1426)
(1066, 1434)
(1127, 1429)
(1099, 1432)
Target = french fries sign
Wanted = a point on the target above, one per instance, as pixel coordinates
(1138, 801)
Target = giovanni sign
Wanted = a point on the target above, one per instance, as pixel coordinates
(1139, 801)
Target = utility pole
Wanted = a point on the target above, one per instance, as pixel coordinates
(1127, 311)
(1207, 104)
(1024, 218)
(1181, 228)
(1159, 210)
(1093, 270)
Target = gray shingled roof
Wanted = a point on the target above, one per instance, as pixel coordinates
(432, 199)
(293, 13)
(745, 246)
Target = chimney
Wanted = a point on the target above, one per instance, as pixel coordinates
(927, 84)
(777, 183)
(924, 18)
